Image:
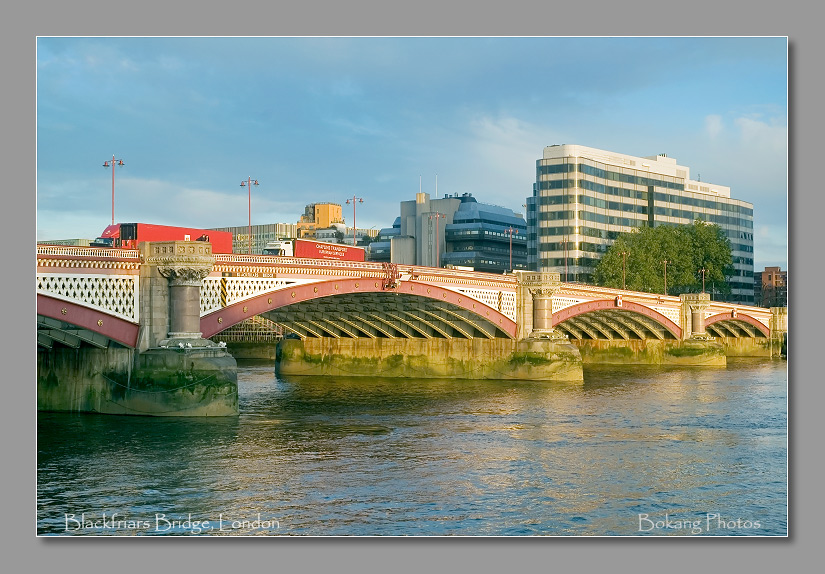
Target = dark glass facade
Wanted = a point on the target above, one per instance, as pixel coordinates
(381, 249)
(485, 237)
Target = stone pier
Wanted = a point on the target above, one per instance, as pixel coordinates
(173, 371)
(697, 348)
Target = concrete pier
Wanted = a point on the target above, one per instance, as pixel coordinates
(173, 371)
(120, 381)
(504, 359)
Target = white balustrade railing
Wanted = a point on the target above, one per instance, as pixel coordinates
(97, 252)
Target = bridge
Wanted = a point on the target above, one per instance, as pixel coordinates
(179, 295)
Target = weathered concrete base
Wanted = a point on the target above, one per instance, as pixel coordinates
(696, 353)
(706, 353)
(750, 347)
(159, 382)
(256, 351)
(545, 360)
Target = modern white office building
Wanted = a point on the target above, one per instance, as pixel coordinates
(584, 198)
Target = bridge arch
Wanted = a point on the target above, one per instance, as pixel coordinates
(63, 320)
(411, 309)
(605, 319)
(737, 324)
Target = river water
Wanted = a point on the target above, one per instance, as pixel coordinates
(633, 452)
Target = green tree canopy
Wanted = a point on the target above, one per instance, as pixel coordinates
(641, 256)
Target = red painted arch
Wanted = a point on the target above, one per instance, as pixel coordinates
(611, 304)
(115, 328)
(739, 317)
(217, 321)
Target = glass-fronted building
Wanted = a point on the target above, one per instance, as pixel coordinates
(381, 248)
(584, 198)
(485, 237)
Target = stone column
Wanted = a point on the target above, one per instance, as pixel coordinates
(541, 288)
(693, 313)
(184, 264)
(779, 331)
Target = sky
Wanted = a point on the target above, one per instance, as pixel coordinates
(326, 119)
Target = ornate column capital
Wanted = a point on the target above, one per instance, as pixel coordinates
(182, 262)
(532, 280)
(542, 287)
(695, 304)
(696, 301)
(543, 291)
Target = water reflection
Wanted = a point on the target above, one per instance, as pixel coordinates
(353, 456)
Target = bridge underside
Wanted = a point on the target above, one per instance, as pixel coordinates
(72, 325)
(382, 315)
(51, 331)
(736, 329)
(613, 324)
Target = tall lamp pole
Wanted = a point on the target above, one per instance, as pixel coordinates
(624, 265)
(114, 162)
(354, 201)
(703, 271)
(248, 184)
(665, 261)
(437, 216)
(510, 230)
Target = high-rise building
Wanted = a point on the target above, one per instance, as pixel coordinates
(771, 287)
(584, 198)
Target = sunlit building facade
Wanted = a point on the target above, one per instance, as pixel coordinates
(584, 198)
(771, 287)
(319, 216)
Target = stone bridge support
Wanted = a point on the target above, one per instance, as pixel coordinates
(172, 275)
(779, 331)
(697, 347)
(534, 305)
(174, 355)
(537, 339)
(175, 372)
(694, 306)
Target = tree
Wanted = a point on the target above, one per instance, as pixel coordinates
(712, 252)
(686, 249)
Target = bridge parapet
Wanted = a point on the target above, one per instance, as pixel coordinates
(97, 278)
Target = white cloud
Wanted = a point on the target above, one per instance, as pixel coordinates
(770, 136)
(713, 125)
(506, 145)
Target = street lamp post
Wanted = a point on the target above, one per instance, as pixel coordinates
(114, 162)
(437, 216)
(624, 264)
(354, 201)
(248, 184)
(510, 230)
(665, 261)
(703, 271)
